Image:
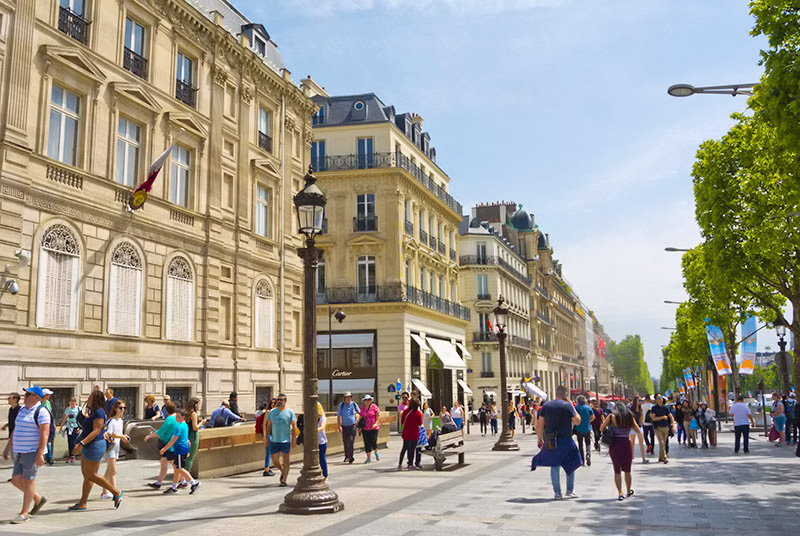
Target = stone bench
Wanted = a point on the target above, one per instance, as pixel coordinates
(449, 444)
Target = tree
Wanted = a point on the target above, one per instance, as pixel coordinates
(627, 358)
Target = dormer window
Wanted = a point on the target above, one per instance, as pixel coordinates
(319, 117)
(259, 46)
(358, 105)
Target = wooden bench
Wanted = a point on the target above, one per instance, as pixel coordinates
(447, 445)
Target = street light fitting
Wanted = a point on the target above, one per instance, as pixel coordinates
(780, 327)
(339, 315)
(500, 313)
(310, 204)
(673, 250)
(670, 329)
(687, 90)
(674, 302)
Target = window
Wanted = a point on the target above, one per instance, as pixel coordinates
(125, 291)
(133, 58)
(365, 153)
(318, 155)
(178, 395)
(453, 296)
(59, 280)
(227, 190)
(481, 253)
(441, 287)
(366, 277)
(486, 361)
(432, 283)
(483, 322)
(181, 175)
(230, 100)
(408, 210)
(262, 210)
(321, 275)
(319, 117)
(225, 328)
(365, 213)
(259, 46)
(128, 148)
(264, 138)
(409, 281)
(65, 110)
(264, 304)
(298, 329)
(72, 21)
(423, 236)
(422, 279)
(184, 84)
(180, 300)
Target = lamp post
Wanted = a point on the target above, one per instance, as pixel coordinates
(311, 494)
(596, 367)
(780, 331)
(687, 90)
(340, 316)
(505, 441)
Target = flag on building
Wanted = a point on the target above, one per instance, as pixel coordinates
(717, 344)
(139, 195)
(749, 346)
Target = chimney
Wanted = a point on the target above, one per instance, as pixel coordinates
(311, 88)
(217, 17)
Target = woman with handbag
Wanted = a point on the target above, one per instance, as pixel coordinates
(113, 435)
(368, 425)
(411, 420)
(621, 421)
(688, 416)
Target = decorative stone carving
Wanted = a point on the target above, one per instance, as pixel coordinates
(220, 75)
(127, 256)
(263, 289)
(247, 94)
(59, 239)
(179, 269)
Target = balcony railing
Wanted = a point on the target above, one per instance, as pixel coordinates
(185, 93)
(473, 259)
(452, 254)
(544, 317)
(135, 63)
(441, 247)
(73, 25)
(396, 292)
(485, 260)
(484, 296)
(520, 341)
(541, 290)
(487, 374)
(484, 336)
(365, 223)
(409, 228)
(265, 141)
(423, 237)
(385, 160)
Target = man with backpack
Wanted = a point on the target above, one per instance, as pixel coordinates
(483, 417)
(222, 416)
(347, 415)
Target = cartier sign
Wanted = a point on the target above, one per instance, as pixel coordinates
(341, 373)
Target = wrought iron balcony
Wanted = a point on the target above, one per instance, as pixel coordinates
(441, 247)
(484, 336)
(520, 341)
(365, 223)
(396, 292)
(386, 160)
(409, 228)
(73, 25)
(185, 93)
(486, 260)
(135, 63)
(473, 259)
(265, 141)
(487, 374)
(543, 316)
(317, 162)
(423, 236)
(484, 296)
(541, 290)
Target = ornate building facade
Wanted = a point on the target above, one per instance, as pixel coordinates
(198, 293)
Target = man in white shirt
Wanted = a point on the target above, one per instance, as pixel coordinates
(647, 426)
(742, 419)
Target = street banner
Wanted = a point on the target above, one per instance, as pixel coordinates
(139, 195)
(717, 344)
(749, 346)
(687, 374)
(679, 384)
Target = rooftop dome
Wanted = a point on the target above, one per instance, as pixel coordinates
(475, 223)
(544, 241)
(521, 219)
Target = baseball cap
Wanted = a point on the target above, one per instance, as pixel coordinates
(792, 395)
(35, 390)
(348, 393)
(47, 391)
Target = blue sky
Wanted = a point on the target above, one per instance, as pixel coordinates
(560, 105)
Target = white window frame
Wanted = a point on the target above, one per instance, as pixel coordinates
(125, 261)
(262, 207)
(264, 315)
(179, 164)
(179, 276)
(126, 144)
(184, 69)
(129, 37)
(264, 118)
(58, 247)
(64, 113)
(365, 262)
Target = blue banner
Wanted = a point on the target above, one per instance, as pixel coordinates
(716, 342)
(749, 346)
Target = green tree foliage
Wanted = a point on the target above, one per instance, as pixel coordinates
(688, 345)
(627, 358)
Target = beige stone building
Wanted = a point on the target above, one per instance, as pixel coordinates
(390, 256)
(199, 292)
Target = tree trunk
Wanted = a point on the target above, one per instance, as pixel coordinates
(795, 328)
(731, 350)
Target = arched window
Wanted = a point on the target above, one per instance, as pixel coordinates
(180, 300)
(263, 313)
(59, 279)
(125, 291)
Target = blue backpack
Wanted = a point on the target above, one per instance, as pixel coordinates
(51, 435)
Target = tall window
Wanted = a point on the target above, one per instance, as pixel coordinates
(225, 324)
(180, 300)
(408, 210)
(365, 267)
(409, 281)
(181, 176)
(318, 155)
(365, 212)
(262, 210)
(321, 275)
(59, 280)
(264, 317)
(63, 135)
(125, 291)
(481, 253)
(71, 19)
(422, 279)
(453, 296)
(483, 322)
(483, 286)
(259, 46)
(441, 287)
(432, 283)
(365, 153)
(486, 361)
(319, 117)
(264, 136)
(133, 59)
(184, 74)
(128, 147)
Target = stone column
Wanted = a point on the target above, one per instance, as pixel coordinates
(19, 76)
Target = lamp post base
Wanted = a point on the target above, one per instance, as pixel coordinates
(505, 442)
(311, 496)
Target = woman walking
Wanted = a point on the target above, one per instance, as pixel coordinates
(711, 421)
(621, 450)
(92, 445)
(70, 420)
(427, 419)
(700, 415)
(493, 417)
(679, 419)
(371, 415)
(693, 424)
(322, 439)
(511, 413)
(458, 415)
(688, 414)
(114, 434)
(636, 412)
(194, 422)
(411, 420)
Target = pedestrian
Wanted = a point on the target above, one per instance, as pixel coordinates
(233, 402)
(528, 409)
(166, 399)
(347, 414)
(411, 420)
(662, 426)
(458, 415)
(483, 418)
(179, 444)
(790, 405)
(688, 429)
(599, 417)
(427, 419)
(779, 419)
(446, 420)
(679, 419)
(711, 423)
(28, 440)
(280, 435)
(511, 414)
(222, 416)
(401, 407)
(151, 410)
(193, 423)
(48, 405)
(742, 420)
(110, 400)
(636, 431)
(92, 446)
(13, 410)
(115, 433)
(493, 417)
(557, 449)
(584, 430)
(369, 423)
(700, 415)
(647, 425)
(322, 439)
(622, 421)
(164, 434)
(70, 421)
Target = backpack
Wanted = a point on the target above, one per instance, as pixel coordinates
(260, 424)
(51, 433)
(219, 420)
(648, 417)
(433, 439)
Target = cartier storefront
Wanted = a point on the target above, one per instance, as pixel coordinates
(346, 362)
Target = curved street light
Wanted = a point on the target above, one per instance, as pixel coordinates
(687, 90)
(673, 250)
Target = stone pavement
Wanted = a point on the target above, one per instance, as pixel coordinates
(701, 492)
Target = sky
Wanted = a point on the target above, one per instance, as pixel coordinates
(560, 105)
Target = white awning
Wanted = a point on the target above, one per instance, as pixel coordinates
(446, 353)
(490, 394)
(464, 353)
(422, 346)
(423, 390)
(346, 340)
(359, 386)
(464, 386)
(535, 391)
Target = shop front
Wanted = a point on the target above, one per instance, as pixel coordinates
(346, 362)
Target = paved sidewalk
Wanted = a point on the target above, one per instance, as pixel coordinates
(701, 492)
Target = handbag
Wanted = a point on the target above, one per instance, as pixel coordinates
(773, 434)
(608, 436)
(693, 424)
(362, 422)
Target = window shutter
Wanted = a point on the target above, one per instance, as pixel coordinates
(180, 301)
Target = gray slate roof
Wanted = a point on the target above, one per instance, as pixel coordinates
(339, 109)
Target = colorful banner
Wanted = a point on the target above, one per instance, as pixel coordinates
(679, 384)
(687, 374)
(139, 195)
(749, 346)
(717, 343)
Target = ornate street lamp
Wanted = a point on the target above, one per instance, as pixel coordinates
(505, 441)
(780, 331)
(311, 494)
(596, 367)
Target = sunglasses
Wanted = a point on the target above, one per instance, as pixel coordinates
(281, 400)
(123, 407)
